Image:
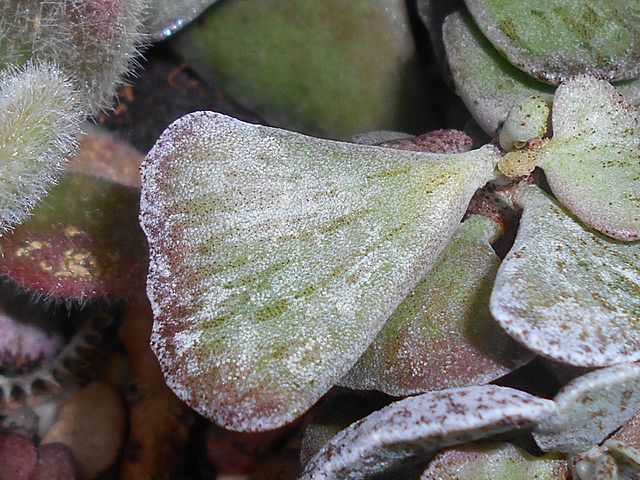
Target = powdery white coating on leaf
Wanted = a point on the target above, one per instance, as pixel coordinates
(38, 124)
(591, 407)
(595, 464)
(276, 257)
(494, 462)
(168, 16)
(592, 163)
(407, 430)
(555, 39)
(566, 292)
(442, 334)
(95, 42)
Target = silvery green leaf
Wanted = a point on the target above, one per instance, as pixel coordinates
(567, 292)
(407, 431)
(554, 40)
(276, 258)
(165, 17)
(442, 334)
(594, 464)
(592, 163)
(589, 408)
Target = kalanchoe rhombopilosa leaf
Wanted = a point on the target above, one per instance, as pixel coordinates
(592, 163)
(567, 292)
(554, 40)
(589, 408)
(442, 334)
(93, 41)
(494, 461)
(487, 83)
(82, 240)
(409, 430)
(38, 124)
(276, 258)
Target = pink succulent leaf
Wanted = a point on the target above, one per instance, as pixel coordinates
(566, 292)
(18, 457)
(276, 257)
(494, 462)
(442, 334)
(408, 431)
(589, 408)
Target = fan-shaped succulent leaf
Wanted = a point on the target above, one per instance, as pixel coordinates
(442, 335)
(166, 17)
(494, 462)
(94, 41)
(38, 123)
(82, 240)
(527, 120)
(593, 161)
(276, 258)
(408, 430)
(566, 292)
(555, 39)
(589, 408)
(487, 83)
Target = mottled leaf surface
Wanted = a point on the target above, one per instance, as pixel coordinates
(276, 258)
(82, 240)
(487, 83)
(494, 462)
(625, 443)
(592, 163)
(567, 292)
(442, 335)
(591, 407)
(408, 430)
(554, 39)
(595, 464)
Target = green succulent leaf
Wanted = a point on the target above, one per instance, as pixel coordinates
(487, 83)
(442, 335)
(611, 395)
(407, 431)
(624, 445)
(494, 461)
(528, 119)
(38, 124)
(554, 40)
(567, 292)
(166, 17)
(592, 163)
(276, 258)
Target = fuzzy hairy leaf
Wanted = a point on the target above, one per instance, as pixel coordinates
(592, 163)
(408, 430)
(93, 41)
(276, 257)
(589, 408)
(38, 123)
(554, 40)
(442, 334)
(567, 292)
(494, 462)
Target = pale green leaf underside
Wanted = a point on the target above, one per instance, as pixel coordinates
(442, 335)
(589, 408)
(407, 431)
(567, 292)
(592, 163)
(487, 83)
(494, 461)
(276, 257)
(556, 39)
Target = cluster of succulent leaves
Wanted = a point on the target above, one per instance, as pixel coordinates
(283, 265)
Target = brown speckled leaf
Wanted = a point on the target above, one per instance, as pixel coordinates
(494, 462)
(591, 407)
(595, 464)
(566, 292)
(556, 39)
(592, 163)
(82, 240)
(442, 335)
(408, 430)
(276, 257)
